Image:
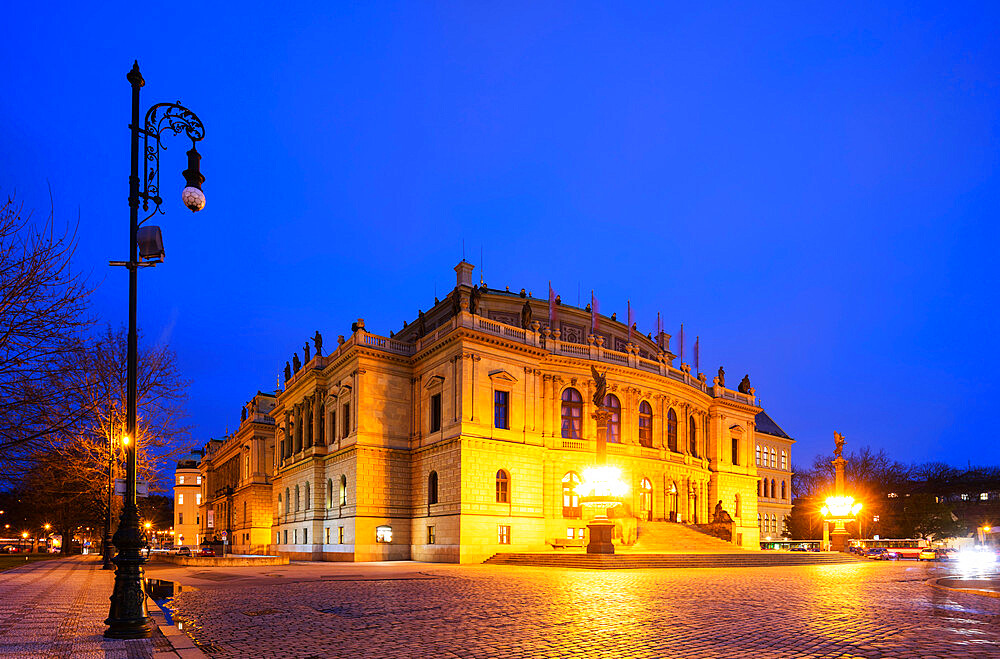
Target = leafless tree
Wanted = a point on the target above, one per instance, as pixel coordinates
(43, 310)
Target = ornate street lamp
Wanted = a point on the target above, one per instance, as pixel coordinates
(129, 617)
(602, 486)
(840, 508)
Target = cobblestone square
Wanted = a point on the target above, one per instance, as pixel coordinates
(421, 610)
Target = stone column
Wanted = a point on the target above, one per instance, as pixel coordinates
(546, 392)
(317, 410)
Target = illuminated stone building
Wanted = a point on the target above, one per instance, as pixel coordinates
(187, 497)
(465, 433)
(773, 455)
(236, 481)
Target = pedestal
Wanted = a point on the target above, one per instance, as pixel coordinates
(838, 538)
(601, 532)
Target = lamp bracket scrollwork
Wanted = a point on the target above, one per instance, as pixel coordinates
(160, 118)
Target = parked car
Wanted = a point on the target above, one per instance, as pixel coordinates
(928, 554)
(10, 549)
(183, 551)
(881, 554)
(206, 551)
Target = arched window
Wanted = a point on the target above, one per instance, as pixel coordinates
(693, 436)
(432, 487)
(672, 429)
(784, 460)
(572, 414)
(673, 501)
(298, 498)
(774, 459)
(279, 503)
(646, 500)
(774, 490)
(571, 501)
(288, 501)
(329, 493)
(306, 489)
(614, 406)
(784, 492)
(774, 524)
(343, 490)
(503, 487)
(760, 488)
(645, 425)
(763, 491)
(758, 455)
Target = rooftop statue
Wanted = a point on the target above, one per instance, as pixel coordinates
(526, 315)
(296, 364)
(318, 341)
(744, 387)
(602, 386)
(305, 352)
(722, 377)
(288, 372)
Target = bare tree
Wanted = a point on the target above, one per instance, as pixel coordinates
(43, 310)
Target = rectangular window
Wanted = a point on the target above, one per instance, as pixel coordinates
(501, 414)
(503, 534)
(340, 535)
(305, 536)
(736, 451)
(197, 498)
(197, 519)
(435, 412)
(431, 535)
(580, 532)
(347, 420)
(180, 480)
(286, 536)
(326, 535)
(570, 533)
(180, 499)
(295, 536)
(277, 537)
(180, 518)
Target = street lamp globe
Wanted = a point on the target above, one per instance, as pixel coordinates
(193, 198)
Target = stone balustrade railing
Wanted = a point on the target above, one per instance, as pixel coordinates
(593, 350)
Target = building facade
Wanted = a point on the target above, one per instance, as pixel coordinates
(465, 434)
(187, 497)
(773, 455)
(236, 485)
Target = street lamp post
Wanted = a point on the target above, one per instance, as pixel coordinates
(128, 617)
(106, 549)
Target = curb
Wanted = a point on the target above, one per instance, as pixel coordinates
(182, 644)
(933, 583)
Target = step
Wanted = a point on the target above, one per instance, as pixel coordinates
(639, 561)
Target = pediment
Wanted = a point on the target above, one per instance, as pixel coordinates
(434, 382)
(502, 376)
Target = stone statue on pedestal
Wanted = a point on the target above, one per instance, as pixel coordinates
(296, 364)
(838, 441)
(722, 377)
(305, 351)
(526, 314)
(720, 516)
(602, 387)
(318, 342)
(288, 372)
(744, 387)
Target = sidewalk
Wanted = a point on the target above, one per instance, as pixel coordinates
(989, 587)
(57, 609)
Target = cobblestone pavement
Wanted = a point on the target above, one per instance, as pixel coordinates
(852, 610)
(57, 609)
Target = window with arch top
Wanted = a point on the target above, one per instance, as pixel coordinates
(329, 493)
(784, 494)
(645, 425)
(614, 406)
(298, 500)
(672, 429)
(693, 436)
(572, 414)
(343, 490)
(503, 486)
(432, 487)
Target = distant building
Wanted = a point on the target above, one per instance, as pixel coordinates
(187, 497)
(466, 433)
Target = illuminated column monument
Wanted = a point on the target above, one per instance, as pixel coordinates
(839, 508)
(602, 487)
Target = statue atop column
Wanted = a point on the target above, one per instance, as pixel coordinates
(305, 351)
(838, 441)
(318, 342)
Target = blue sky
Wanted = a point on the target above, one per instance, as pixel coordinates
(812, 191)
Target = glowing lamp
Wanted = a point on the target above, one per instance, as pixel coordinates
(840, 508)
(602, 487)
(125, 440)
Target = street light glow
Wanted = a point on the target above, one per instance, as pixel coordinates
(601, 487)
(125, 440)
(840, 507)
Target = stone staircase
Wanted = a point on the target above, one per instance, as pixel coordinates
(668, 537)
(637, 560)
